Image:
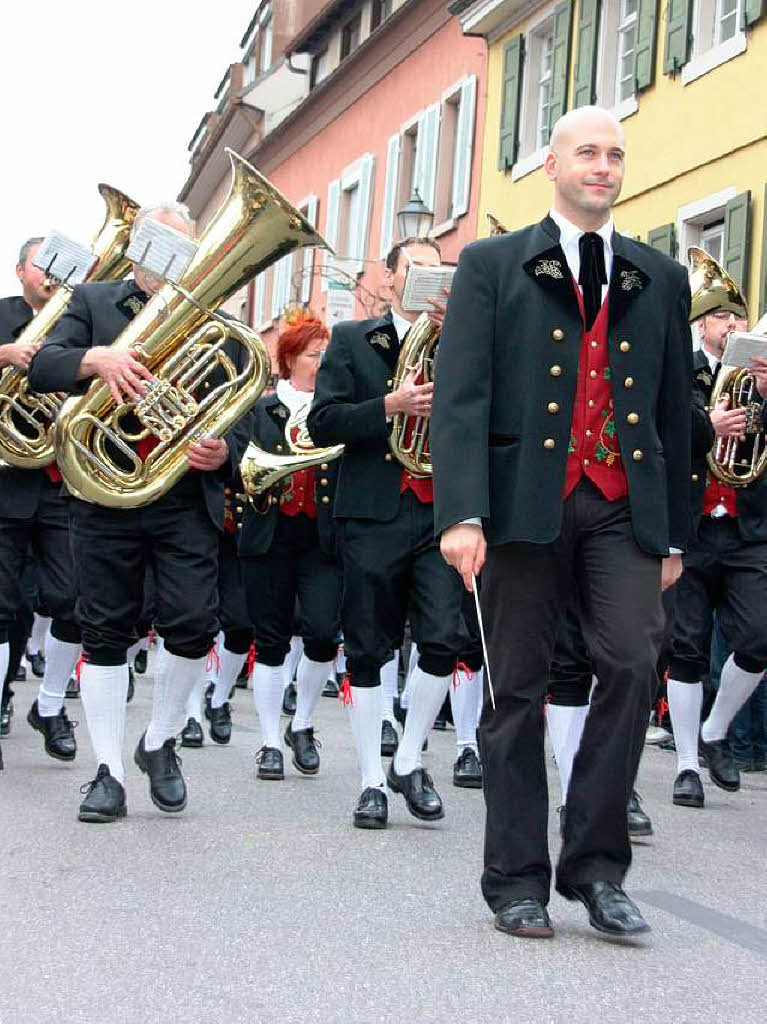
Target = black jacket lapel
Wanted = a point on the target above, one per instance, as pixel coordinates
(278, 414)
(627, 281)
(132, 300)
(382, 338)
(548, 267)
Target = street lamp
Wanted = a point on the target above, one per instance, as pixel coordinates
(415, 219)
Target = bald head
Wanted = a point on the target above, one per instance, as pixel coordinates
(586, 164)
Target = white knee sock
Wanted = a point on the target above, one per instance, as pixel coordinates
(60, 660)
(228, 669)
(143, 644)
(565, 730)
(684, 703)
(293, 658)
(176, 679)
(194, 702)
(735, 687)
(341, 661)
(5, 657)
(480, 693)
(366, 718)
(132, 652)
(427, 693)
(463, 701)
(405, 695)
(40, 627)
(389, 686)
(268, 688)
(311, 677)
(103, 689)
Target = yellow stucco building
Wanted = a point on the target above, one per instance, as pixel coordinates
(687, 80)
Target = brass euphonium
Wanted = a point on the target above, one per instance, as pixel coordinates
(735, 460)
(180, 339)
(26, 418)
(409, 436)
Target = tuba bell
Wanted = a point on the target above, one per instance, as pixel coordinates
(26, 418)
(409, 436)
(736, 461)
(180, 338)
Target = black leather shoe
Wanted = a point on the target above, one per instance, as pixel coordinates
(304, 746)
(527, 918)
(139, 662)
(389, 739)
(241, 682)
(104, 798)
(721, 764)
(372, 810)
(610, 909)
(562, 811)
(166, 783)
(37, 663)
(57, 731)
(330, 688)
(131, 686)
(21, 675)
(270, 764)
(688, 789)
(422, 799)
(221, 723)
(73, 687)
(638, 822)
(208, 697)
(191, 734)
(6, 714)
(289, 700)
(467, 771)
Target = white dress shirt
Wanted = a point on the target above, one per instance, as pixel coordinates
(569, 236)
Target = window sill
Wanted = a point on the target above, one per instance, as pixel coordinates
(626, 108)
(444, 228)
(528, 164)
(705, 62)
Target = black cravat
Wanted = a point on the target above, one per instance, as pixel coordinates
(592, 274)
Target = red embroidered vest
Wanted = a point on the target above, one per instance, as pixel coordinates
(300, 494)
(718, 494)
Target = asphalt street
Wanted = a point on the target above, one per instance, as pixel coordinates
(261, 903)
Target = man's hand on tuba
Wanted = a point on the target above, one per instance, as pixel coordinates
(118, 368)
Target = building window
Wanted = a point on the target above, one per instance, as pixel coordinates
(717, 36)
(726, 19)
(616, 82)
(350, 36)
(455, 148)
(267, 39)
(537, 80)
(301, 282)
(545, 68)
(712, 239)
(380, 11)
(627, 39)
(320, 68)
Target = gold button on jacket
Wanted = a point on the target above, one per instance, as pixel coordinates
(625, 346)
(555, 371)
(549, 443)
(633, 417)
(558, 334)
(553, 407)
(638, 455)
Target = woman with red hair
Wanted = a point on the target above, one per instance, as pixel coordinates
(287, 548)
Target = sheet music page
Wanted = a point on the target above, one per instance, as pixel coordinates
(161, 251)
(423, 283)
(64, 259)
(742, 347)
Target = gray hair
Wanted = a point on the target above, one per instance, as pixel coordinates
(171, 207)
(26, 248)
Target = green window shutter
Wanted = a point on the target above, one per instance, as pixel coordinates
(511, 96)
(563, 18)
(586, 65)
(645, 45)
(663, 239)
(752, 11)
(763, 267)
(737, 237)
(678, 35)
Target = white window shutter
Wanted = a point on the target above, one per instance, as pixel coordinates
(419, 151)
(307, 271)
(464, 143)
(331, 228)
(390, 195)
(287, 281)
(277, 289)
(428, 147)
(363, 223)
(258, 300)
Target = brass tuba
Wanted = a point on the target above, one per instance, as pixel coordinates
(409, 436)
(26, 418)
(180, 338)
(736, 461)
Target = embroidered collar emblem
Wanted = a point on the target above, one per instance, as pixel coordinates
(705, 377)
(552, 268)
(134, 304)
(281, 411)
(382, 339)
(631, 279)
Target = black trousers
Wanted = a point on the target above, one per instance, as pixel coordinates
(727, 575)
(391, 570)
(113, 547)
(294, 567)
(525, 587)
(46, 534)
(232, 602)
(471, 654)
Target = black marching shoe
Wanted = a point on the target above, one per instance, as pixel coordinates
(289, 700)
(372, 810)
(166, 783)
(104, 798)
(139, 662)
(389, 739)
(467, 771)
(37, 663)
(131, 686)
(638, 822)
(21, 675)
(208, 697)
(241, 682)
(191, 734)
(721, 764)
(610, 909)
(688, 789)
(270, 764)
(221, 723)
(527, 918)
(330, 688)
(304, 746)
(422, 799)
(57, 731)
(73, 687)
(6, 714)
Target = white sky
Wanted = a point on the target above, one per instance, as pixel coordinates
(97, 90)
